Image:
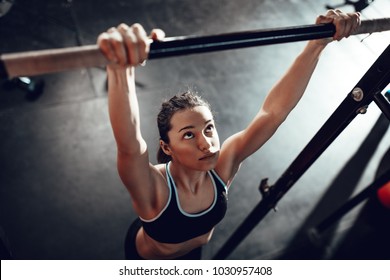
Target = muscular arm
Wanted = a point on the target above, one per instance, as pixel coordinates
(132, 156)
(282, 98)
(287, 92)
(126, 47)
(124, 112)
(279, 102)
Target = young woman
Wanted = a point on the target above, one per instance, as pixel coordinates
(180, 200)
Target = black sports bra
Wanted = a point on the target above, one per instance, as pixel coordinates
(174, 225)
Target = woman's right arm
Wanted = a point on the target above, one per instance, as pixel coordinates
(126, 47)
(124, 111)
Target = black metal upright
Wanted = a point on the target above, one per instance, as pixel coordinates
(356, 102)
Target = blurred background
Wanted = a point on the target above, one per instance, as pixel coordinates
(60, 194)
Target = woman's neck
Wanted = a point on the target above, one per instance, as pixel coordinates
(186, 178)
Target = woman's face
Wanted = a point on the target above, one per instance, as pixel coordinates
(193, 139)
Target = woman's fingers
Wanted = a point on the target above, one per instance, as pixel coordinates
(157, 34)
(117, 45)
(104, 44)
(345, 23)
(127, 45)
(130, 44)
(142, 41)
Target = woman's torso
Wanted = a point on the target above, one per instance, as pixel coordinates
(184, 221)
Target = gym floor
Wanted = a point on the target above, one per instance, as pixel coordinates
(60, 194)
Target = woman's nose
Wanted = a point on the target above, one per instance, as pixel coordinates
(204, 143)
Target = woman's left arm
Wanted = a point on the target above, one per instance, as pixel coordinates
(283, 97)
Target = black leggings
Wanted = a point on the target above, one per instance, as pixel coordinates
(131, 250)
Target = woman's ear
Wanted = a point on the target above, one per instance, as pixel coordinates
(165, 148)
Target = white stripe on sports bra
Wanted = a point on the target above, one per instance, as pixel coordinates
(169, 178)
(165, 207)
(178, 201)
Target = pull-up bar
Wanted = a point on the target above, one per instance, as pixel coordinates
(55, 60)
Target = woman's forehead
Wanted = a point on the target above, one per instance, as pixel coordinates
(191, 117)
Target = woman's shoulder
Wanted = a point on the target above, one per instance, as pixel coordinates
(161, 168)
(226, 172)
(160, 175)
(159, 194)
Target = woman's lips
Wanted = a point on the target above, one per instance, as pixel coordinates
(208, 156)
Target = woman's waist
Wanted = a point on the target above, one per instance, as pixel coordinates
(149, 248)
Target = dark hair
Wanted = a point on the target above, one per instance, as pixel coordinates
(186, 100)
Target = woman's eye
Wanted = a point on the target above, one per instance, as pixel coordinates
(188, 135)
(210, 128)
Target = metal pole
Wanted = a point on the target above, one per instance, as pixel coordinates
(383, 104)
(55, 60)
(350, 204)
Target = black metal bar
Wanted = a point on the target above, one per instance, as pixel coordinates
(48, 61)
(375, 80)
(383, 104)
(350, 204)
(184, 45)
(32, 63)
